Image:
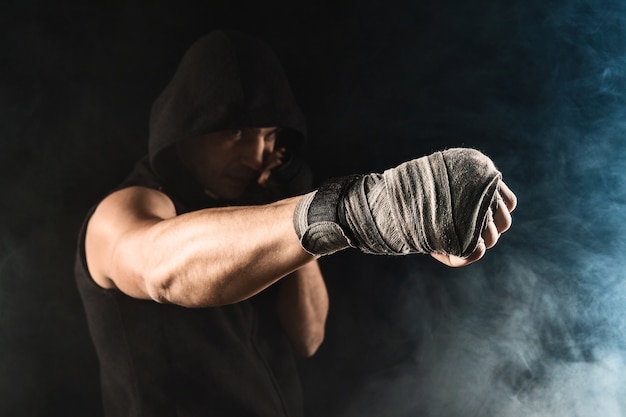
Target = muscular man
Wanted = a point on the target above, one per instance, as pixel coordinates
(199, 273)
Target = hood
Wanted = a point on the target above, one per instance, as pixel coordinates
(225, 80)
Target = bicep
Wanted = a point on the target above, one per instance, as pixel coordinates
(115, 233)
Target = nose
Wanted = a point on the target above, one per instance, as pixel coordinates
(255, 150)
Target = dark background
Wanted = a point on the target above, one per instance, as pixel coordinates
(537, 328)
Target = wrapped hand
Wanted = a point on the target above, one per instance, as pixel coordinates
(440, 204)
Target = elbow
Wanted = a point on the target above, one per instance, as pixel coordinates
(159, 289)
(176, 289)
(167, 289)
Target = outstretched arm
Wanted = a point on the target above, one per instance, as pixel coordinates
(447, 204)
(135, 242)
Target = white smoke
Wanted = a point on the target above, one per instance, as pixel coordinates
(537, 328)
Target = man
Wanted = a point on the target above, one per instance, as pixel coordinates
(199, 273)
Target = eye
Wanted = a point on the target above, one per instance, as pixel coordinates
(272, 135)
(235, 134)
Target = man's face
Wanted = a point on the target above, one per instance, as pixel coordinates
(224, 163)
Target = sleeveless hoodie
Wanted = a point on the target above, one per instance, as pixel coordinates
(167, 360)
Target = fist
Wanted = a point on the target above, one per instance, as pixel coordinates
(497, 223)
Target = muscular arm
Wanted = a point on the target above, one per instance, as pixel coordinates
(303, 308)
(135, 242)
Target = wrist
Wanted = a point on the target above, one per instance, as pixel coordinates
(317, 218)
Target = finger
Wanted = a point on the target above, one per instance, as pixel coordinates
(490, 235)
(478, 253)
(265, 174)
(264, 177)
(456, 261)
(273, 160)
(273, 164)
(510, 200)
(449, 260)
(502, 217)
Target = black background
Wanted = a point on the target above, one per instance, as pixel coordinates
(537, 85)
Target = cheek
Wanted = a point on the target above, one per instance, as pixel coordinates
(214, 169)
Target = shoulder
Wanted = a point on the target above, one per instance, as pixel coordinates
(120, 214)
(127, 209)
(136, 201)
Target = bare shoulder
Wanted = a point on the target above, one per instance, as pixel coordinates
(136, 202)
(121, 214)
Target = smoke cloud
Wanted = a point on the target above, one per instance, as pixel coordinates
(538, 327)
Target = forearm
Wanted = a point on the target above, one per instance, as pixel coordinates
(215, 256)
(303, 308)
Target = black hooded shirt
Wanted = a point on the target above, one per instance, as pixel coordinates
(167, 360)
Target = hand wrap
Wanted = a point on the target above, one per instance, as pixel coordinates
(438, 203)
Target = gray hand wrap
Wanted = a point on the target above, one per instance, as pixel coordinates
(438, 203)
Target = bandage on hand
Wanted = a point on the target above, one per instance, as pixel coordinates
(439, 204)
